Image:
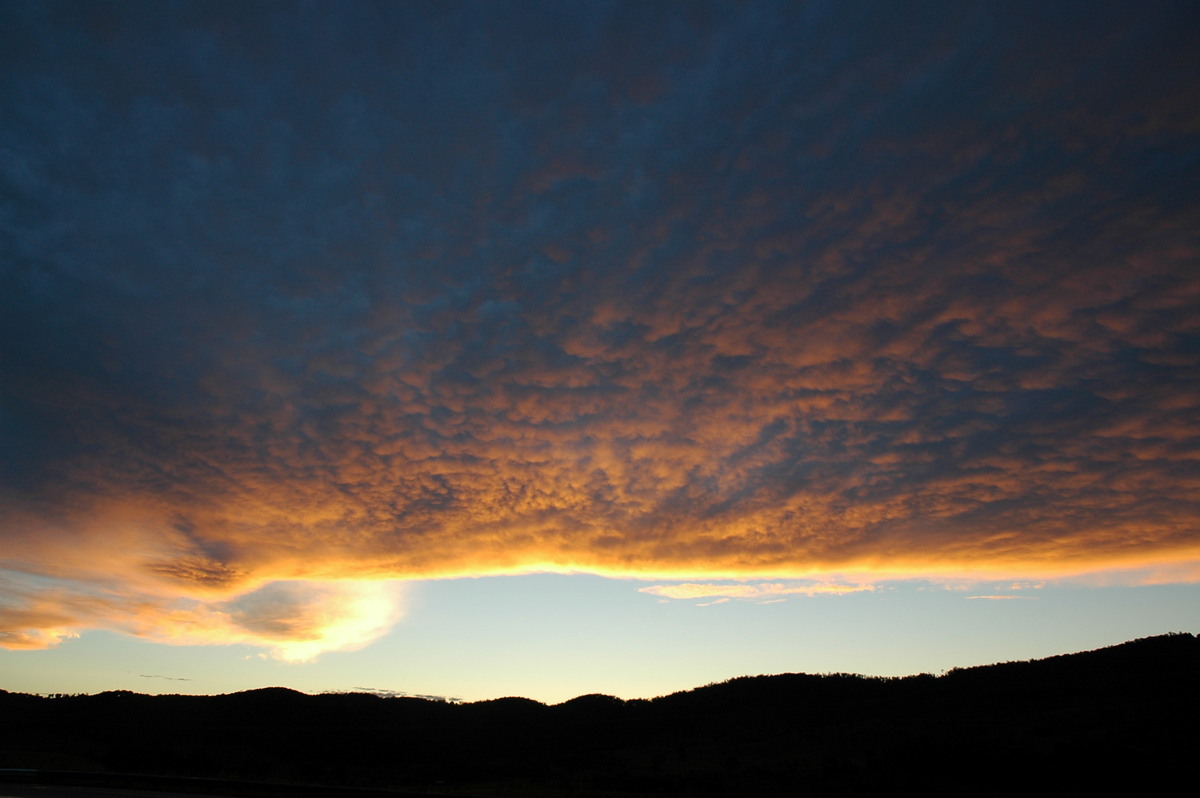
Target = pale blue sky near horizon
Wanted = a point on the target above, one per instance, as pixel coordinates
(551, 637)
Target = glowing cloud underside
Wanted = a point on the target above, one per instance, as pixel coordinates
(910, 305)
(296, 621)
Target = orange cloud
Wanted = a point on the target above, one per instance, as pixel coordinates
(296, 621)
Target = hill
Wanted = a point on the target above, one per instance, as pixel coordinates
(1118, 719)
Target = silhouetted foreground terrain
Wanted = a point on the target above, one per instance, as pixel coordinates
(1119, 720)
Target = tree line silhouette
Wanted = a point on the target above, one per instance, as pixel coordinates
(1118, 719)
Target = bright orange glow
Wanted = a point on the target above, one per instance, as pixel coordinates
(298, 591)
(296, 621)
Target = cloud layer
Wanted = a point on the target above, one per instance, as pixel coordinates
(294, 295)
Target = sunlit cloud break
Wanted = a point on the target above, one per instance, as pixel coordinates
(296, 621)
(300, 620)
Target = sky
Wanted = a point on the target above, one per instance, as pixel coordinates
(514, 348)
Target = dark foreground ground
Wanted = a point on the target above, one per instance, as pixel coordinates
(54, 791)
(26, 783)
(1119, 720)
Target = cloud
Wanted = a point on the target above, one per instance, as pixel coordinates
(296, 621)
(383, 693)
(301, 620)
(789, 292)
(26, 629)
(760, 591)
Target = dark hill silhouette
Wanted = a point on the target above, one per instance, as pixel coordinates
(1111, 721)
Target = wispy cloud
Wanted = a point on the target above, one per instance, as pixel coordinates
(746, 591)
(383, 693)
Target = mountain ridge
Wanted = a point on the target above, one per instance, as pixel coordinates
(1119, 716)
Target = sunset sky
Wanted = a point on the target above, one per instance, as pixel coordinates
(480, 349)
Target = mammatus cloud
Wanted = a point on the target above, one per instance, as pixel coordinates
(784, 292)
